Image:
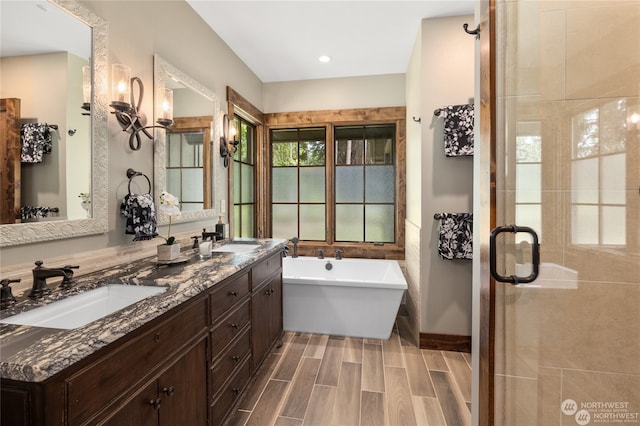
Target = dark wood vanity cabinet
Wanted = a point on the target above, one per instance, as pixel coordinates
(189, 366)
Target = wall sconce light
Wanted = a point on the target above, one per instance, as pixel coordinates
(86, 90)
(228, 142)
(127, 110)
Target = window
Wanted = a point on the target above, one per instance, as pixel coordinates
(244, 201)
(336, 179)
(187, 162)
(365, 183)
(598, 175)
(529, 177)
(298, 188)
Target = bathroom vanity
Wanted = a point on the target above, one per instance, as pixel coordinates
(181, 357)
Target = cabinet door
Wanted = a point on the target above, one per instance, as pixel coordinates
(177, 397)
(183, 390)
(260, 323)
(266, 320)
(142, 410)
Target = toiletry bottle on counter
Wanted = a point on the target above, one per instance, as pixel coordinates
(221, 228)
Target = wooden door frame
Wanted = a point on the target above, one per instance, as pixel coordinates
(487, 138)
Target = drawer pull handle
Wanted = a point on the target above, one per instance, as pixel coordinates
(236, 358)
(233, 293)
(155, 403)
(235, 390)
(156, 337)
(169, 391)
(234, 325)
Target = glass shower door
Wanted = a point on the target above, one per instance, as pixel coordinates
(567, 344)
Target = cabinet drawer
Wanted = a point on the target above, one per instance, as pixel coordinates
(230, 359)
(265, 269)
(229, 395)
(228, 328)
(228, 294)
(111, 376)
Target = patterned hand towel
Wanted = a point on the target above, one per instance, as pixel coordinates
(456, 236)
(141, 216)
(458, 130)
(36, 141)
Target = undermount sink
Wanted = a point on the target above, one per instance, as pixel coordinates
(81, 309)
(237, 247)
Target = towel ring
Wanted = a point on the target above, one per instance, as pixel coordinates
(132, 173)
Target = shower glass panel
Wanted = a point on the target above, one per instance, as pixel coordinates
(567, 164)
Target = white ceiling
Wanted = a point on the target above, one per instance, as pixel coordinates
(282, 40)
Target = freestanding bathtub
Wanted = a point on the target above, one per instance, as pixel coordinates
(347, 297)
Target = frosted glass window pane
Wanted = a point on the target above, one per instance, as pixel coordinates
(312, 222)
(614, 227)
(173, 182)
(529, 215)
(312, 185)
(285, 185)
(584, 225)
(380, 220)
(236, 183)
(236, 220)
(192, 150)
(247, 183)
(528, 183)
(247, 221)
(380, 184)
(173, 150)
(285, 220)
(613, 179)
(349, 223)
(584, 181)
(192, 185)
(349, 184)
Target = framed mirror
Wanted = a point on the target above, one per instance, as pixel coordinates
(95, 197)
(183, 156)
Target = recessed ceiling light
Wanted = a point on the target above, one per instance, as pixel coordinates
(324, 58)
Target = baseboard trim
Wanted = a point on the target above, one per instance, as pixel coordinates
(445, 342)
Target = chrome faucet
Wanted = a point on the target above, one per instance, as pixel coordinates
(320, 253)
(338, 254)
(295, 242)
(41, 273)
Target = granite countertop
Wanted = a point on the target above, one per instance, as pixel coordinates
(33, 354)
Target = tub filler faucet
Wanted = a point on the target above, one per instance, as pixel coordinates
(320, 253)
(41, 273)
(338, 254)
(295, 242)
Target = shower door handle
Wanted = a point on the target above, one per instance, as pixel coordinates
(535, 255)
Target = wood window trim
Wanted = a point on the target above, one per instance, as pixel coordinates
(199, 123)
(341, 117)
(239, 105)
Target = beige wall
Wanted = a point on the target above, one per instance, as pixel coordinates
(441, 73)
(335, 93)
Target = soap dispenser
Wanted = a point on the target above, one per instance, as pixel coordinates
(221, 228)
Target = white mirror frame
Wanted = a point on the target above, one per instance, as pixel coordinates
(163, 70)
(33, 232)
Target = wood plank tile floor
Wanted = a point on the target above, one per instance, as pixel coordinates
(325, 380)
